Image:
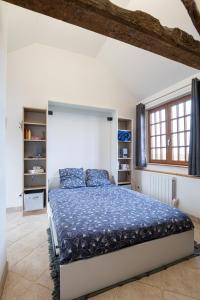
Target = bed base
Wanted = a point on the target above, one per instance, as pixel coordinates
(89, 275)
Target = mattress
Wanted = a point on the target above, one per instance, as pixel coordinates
(92, 221)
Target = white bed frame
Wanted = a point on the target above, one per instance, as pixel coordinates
(86, 276)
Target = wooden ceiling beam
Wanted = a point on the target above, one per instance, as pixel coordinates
(132, 27)
(193, 12)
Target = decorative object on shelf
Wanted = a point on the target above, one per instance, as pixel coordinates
(27, 134)
(124, 167)
(124, 135)
(36, 170)
(124, 152)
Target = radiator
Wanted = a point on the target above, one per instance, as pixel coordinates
(159, 186)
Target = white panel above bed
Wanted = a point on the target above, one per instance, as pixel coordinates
(78, 138)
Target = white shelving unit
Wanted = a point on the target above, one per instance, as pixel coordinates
(34, 154)
(125, 161)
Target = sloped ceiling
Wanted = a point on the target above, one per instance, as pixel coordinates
(142, 72)
(26, 27)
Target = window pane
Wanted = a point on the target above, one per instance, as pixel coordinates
(157, 129)
(163, 140)
(178, 130)
(163, 154)
(187, 153)
(153, 153)
(162, 113)
(182, 153)
(152, 118)
(158, 141)
(163, 128)
(181, 124)
(181, 139)
(153, 142)
(158, 153)
(187, 138)
(153, 130)
(188, 107)
(174, 111)
(187, 121)
(181, 109)
(174, 153)
(157, 116)
(174, 140)
(174, 126)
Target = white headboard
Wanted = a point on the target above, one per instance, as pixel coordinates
(54, 182)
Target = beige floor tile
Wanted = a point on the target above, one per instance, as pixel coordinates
(183, 279)
(15, 287)
(131, 291)
(109, 295)
(37, 292)
(17, 252)
(139, 291)
(156, 279)
(45, 280)
(19, 249)
(33, 265)
(20, 231)
(172, 296)
(193, 263)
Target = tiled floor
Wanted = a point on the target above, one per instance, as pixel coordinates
(29, 279)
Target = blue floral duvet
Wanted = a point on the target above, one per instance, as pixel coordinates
(91, 221)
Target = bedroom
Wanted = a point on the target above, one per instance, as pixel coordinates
(77, 90)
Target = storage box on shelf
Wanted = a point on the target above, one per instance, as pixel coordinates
(34, 157)
(125, 152)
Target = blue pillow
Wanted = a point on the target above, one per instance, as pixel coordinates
(95, 177)
(72, 178)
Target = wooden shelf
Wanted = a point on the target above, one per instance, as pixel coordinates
(125, 170)
(124, 141)
(124, 158)
(36, 174)
(35, 158)
(35, 124)
(124, 182)
(33, 188)
(34, 140)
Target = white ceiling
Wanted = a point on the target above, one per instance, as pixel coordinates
(142, 72)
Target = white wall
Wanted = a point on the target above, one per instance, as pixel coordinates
(78, 138)
(2, 141)
(38, 74)
(188, 189)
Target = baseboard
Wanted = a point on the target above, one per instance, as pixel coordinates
(3, 279)
(13, 209)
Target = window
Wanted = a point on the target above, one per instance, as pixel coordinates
(169, 132)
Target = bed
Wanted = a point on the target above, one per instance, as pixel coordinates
(108, 234)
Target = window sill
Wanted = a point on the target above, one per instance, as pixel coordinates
(169, 173)
(168, 165)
